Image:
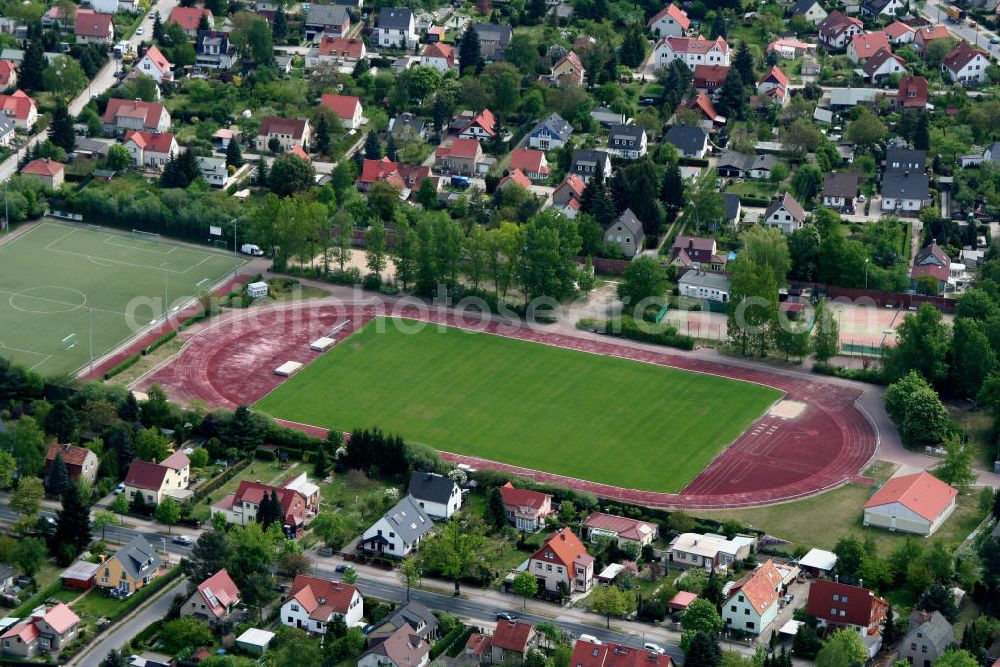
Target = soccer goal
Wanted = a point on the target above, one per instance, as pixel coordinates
(146, 236)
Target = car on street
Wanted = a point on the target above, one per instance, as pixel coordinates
(342, 568)
(655, 648)
(994, 40)
(182, 539)
(140, 30)
(504, 616)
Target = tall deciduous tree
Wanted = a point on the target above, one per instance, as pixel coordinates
(612, 601)
(956, 468)
(375, 249)
(826, 333)
(643, 281)
(922, 345)
(525, 585)
(972, 357)
(455, 549)
(168, 512)
(917, 410)
(61, 131)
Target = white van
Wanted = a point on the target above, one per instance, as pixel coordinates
(252, 250)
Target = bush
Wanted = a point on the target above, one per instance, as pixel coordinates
(871, 375)
(124, 365)
(626, 327)
(162, 340)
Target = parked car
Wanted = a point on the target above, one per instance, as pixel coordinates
(182, 539)
(119, 488)
(504, 616)
(342, 568)
(140, 30)
(655, 648)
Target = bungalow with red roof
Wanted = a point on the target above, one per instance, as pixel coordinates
(459, 156)
(526, 510)
(49, 172)
(150, 149)
(883, 65)
(189, 18)
(439, 56)
(514, 177)
(120, 116)
(709, 78)
(512, 640)
(927, 34)
(966, 65)
(155, 65)
(80, 462)
(836, 605)
(45, 631)
(620, 528)
(93, 28)
(671, 21)
(913, 92)
(314, 603)
(899, 33)
(791, 48)
(531, 162)
(917, 503)
(8, 74)
(19, 108)
(154, 481)
(340, 50)
(752, 604)
(864, 46)
(563, 563)
(610, 654)
(346, 107)
(481, 126)
(288, 132)
(214, 599)
(241, 506)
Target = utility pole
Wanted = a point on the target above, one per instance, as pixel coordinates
(90, 335)
(166, 301)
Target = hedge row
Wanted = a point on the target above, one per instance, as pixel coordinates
(217, 481)
(860, 374)
(442, 644)
(37, 599)
(127, 363)
(459, 644)
(626, 327)
(162, 340)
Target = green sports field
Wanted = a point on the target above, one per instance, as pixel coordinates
(56, 280)
(591, 417)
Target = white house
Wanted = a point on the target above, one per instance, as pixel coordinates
(810, 10)
(439, 497)
(692, 51)
(627, 141)
(396, 28)
(399, 531)
(671, 21)
(314, 603)
(703, 285)
(347, 107)
(150, 149)
(837, 29)
(905, 192)
(215, 171)
(966, 65)
(917, 503)
(752, 604)
(785, 213)
(155, 65)
(438, 56)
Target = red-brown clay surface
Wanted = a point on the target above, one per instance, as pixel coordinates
(232, 362)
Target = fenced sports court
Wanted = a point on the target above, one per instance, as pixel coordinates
(70, 292)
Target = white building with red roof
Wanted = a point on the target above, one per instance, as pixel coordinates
(439, 56)
(93, 28)
(752, 605)
(347, 107)
(568, 69)
(49, 172)
(214, 599)
(150, 149)
(289, 132)
(189, 18)
(8, 74)
(19, 108)
(155, 65)
(927, 34)
(80, 462)
(241, 506)
(837, 29)
(526, 510)
(864, 46)
(339, 50)
(45, 631)
(563, 559)
(531, 162)
(120, 116)
(620, 528)
(671, 21)
(459, 156)
(788, 48)
(481, 126)
(775, 79)
(882, 65)
(899, 33)
(692, 51)
(314, 603)
(917, 503)
(966, 65)
(155, 480)
(514, 177)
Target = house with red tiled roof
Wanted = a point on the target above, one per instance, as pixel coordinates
(883, 65)
(8, 74)
(47, 630)
(241, 506)
(836, 605)
(459, 156)
(49, 172)
(837, 29)
(481, 126)
(692, 51)
(570, 189)
(619, 528)
(188, 18)
(611, 654)
(313, 603)
(288, 132)
(340, 50)
(439, 56)
(774, 85)
(512, 640)
(752, 605)
(526, 510)
(150, 149)
(671, 21)
(120, 116)
(697, 252)
(155, 65)
(966, 65)
(346, 107)
(927, 34)
(568, 69)
(864, 46)
(702, 103)
(899, 33)
(913, 92)
(709, 78)
(791, 48)
(917, 503)
(563, 562)
(155, 480)
(531, 162)
(514, 177)
(19, 108)
(214, 599)
(93, 28)
(80, 462)
(479, 648)
(373, 171)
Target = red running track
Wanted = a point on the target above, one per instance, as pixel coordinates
(232, 361)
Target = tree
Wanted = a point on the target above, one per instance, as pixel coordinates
(956, 468)
(58, 478)
(455, 549)
(234, 156)
(184, 632)
(64, 77)
(611, 601)
(768, 246)
(922, 345)
(826, 333)
(118, 158)
(957, 658)
(806, 644)
(120, 506)
(843, 649)
(168, 512)
(29, 75)
(375, 242)
(244, 431)
(633, 49)
(332, 529)
(321, 139)
(158, 33)
(707, 209)
(209, 554)
(525, 585)
(917, 410)
(807, 183)
(26, 442)
(496, 511)
(151, 446)
(867, 131)
(290, 174)
(103, 519)
(703, 651)
(280, 26)
(180, 171)
(321, 467)
(61, 131)
(732, 100)
(743, 63)
(270, 511)
(72, 534)
(672, 191)
(26, 499)
(409, 574)
(29, 555)
(373, 147)
(753, 306)
(8, 467)
(938, 597)
(469, 55)
(643, 282)
(702, 616)
(973, 359)
(850, 554)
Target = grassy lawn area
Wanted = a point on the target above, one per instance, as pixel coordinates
(531, 405)
(761, 189)
(978, 426)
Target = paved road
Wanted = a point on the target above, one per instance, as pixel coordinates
(978, 36)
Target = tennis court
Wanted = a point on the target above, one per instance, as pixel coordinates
(67, 289)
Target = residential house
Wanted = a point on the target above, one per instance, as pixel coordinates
(865, 45)
(837, 30)
(551, 132)
(526, 510)
(563, 562)
(459, 156)
(785, 213)
(494, 38)
(810, 10)
(155, 481)
(774, 85)
(130, 568)
(671, 21)
(899, 33)
(155, 65)
(692, 51)
(709, 78)
(347, 51)
(289, 132)
(791, 48)
(121, 116)
(20, 109)
(79, 576)
(836, 605)
(702, 103)
(930, 261)
(478, 126)
(622, 529)
(327, 21)
(611, 654)
(913, 92)
(46, 630)
(346, 107)
(882, 66)
(567, 69)
(439, 56)
(214, 599)
(873, 9)
(49, 172)
(966, 65)
(314, 603)
(80, 462)
(905, 160)
(607, 117)
(699, 253)
(818, 563)
(8, 75)
(840, 190)
(917, 503)
(439, 497)
(732, 164)
(627, 141)
(752, 603)
(734, 209)
(532, 163)
(397, 532)
(512, 640)
(689, 141)
(905, 193)
(150, 149)
(213, 51)
(396, 28)
(927, 34)
(568, 195)
(241, 506)
(215, 171)
(928, 636)
(587, 164)
(402, 648)
(93, 28)
(412, 615)
(189, 18)
(702, 285)
(627, 233)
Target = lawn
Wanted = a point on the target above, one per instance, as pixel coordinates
(592, 417)
(60, 282)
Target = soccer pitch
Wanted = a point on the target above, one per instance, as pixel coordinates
(60, 282)
(597, 418)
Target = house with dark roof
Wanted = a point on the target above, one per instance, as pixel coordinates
(733, 164)
(840, 190)
(46, 630)
(689, 141)
(563, 559)
(619, 528)
(752, 604)
(587, 164)
(413, 615)
(905, 193)
(917, 503)
(931, 261)
(400, 649)
(905, 160)
(837, 605)
(883, 65)
(314, 603)
(213, 51)
(81, 463)
(785, 213)
(837, 29)
(810, 10)
(696, 252)
(438, 496)
(399, 531)
(876, 8)
(734, 208)
(214, 599)
(966, 65)
(627, 233)
(526, 510)
(155, 480)
(551, 132)
(607, 117)
(396, 28)
(130, 568)
(627, 141)
(927, 638)
(494, 38)
(327, 20)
